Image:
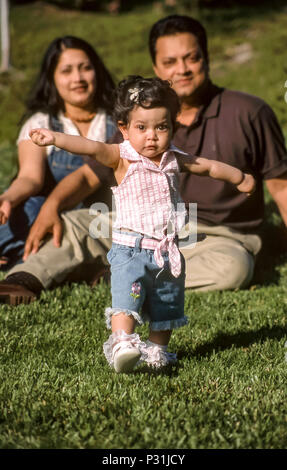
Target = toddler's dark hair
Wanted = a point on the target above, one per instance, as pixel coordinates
(147, 93)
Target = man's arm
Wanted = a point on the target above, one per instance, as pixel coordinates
(277, 187)
(74, 188)
(69, 192)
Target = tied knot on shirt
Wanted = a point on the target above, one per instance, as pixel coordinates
(169, 245)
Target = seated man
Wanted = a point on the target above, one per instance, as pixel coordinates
(231, 126)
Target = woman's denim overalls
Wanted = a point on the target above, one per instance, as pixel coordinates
(60, 163)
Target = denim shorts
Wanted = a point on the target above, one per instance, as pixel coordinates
(144, 290)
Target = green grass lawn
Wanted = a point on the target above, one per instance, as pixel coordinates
(228, 390)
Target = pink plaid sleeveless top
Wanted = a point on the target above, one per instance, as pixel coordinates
(148, 201)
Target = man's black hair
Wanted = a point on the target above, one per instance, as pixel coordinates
(175, 24)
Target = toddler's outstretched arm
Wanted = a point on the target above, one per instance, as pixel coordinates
(107, 154)
(219, 170)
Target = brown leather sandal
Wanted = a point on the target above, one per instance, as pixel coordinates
(15, 294)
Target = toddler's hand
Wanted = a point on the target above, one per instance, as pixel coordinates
(42, 137)
(248, 184)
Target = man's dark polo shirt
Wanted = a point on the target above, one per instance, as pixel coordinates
(241, 130)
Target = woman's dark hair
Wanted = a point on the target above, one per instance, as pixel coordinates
(44, 95)
(147, 93)
(175, 24)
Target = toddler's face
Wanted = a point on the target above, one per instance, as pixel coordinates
(149, 131)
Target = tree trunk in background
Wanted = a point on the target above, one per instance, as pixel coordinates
(5, 40)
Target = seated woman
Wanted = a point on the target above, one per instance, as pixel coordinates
(72, 94)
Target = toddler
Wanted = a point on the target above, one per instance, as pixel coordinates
(147, 268)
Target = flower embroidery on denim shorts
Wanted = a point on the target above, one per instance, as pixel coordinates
(136, 289)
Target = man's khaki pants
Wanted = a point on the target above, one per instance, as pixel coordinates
(224, 259)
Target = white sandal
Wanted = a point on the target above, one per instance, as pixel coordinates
(123, 351)
(125, 356)
(157, 356)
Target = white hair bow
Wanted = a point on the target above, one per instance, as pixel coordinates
(134, 94)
